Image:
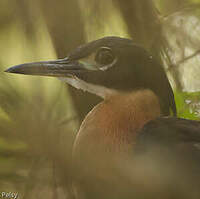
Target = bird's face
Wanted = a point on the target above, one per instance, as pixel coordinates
(106, 66)
(113, 63)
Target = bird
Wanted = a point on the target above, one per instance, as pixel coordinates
(131, 144)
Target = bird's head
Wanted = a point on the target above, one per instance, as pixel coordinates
(106, 66)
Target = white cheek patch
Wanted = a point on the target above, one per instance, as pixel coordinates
(98, 90)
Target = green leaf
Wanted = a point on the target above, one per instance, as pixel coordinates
(188, 105)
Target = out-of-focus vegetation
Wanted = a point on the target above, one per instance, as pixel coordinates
(39, 117)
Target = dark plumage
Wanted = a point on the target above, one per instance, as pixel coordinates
(170, 146)
(125, 148)
(135, 69)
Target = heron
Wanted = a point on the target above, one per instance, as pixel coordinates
(128, 145)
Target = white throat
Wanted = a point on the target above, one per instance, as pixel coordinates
(98, 90)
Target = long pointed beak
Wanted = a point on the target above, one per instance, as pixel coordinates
(56, 68)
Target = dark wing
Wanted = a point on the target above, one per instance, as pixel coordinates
(167, 152)
(167, 131)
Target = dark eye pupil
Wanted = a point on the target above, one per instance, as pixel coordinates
(104, 56)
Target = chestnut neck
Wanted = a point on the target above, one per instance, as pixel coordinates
(115, 122)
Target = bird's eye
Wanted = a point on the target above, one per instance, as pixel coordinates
(104, 56)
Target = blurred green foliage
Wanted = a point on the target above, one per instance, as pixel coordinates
(188, 105)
